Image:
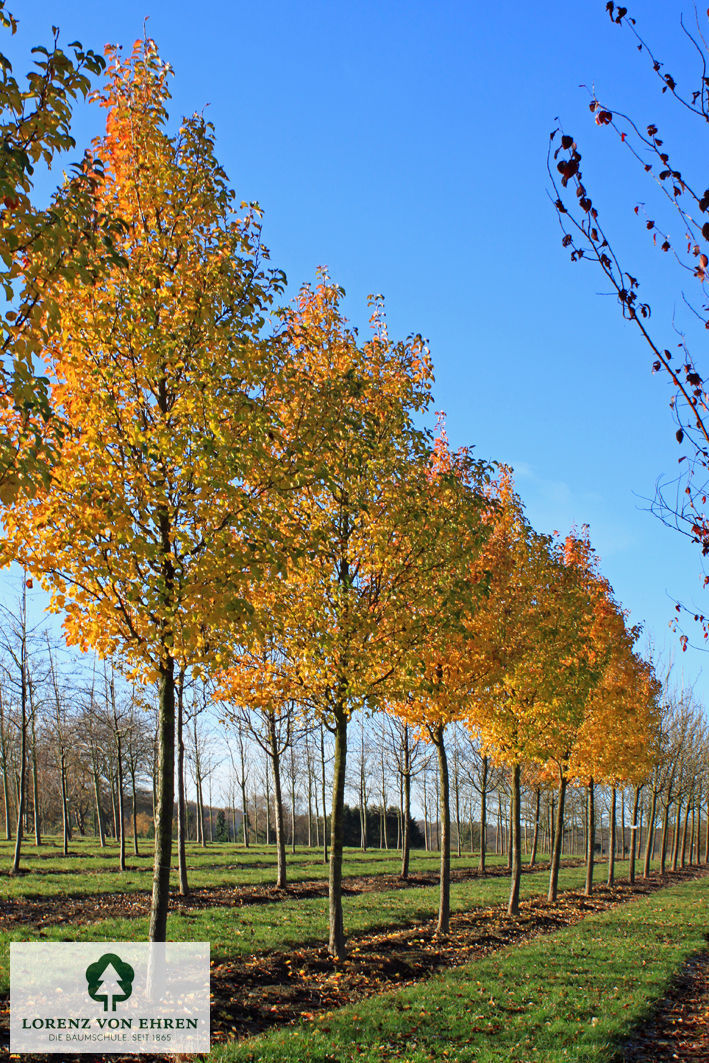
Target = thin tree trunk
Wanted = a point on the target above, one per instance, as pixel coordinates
(665, 832)
(634, 836)
(121, 820)
(443, 924)
(612, 838)
(322, 780)
(675, 840)
(292, 800)
(5, 774)
(456, 785)
(135, 812)
(483, 815)
(590, 837)
(535, 837)
(516, 834)
(406, 809)
(113, 803)
(683, 851)
(15, 870)
(281, 878)
(650, 843)
(35, 780)
(66, 829)
(362, 795)
(337, 930)
(558, 836)
(165, 794)
(310, 804)
(181, 804)
(99, 817)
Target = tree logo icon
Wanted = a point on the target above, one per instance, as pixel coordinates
(110, 979)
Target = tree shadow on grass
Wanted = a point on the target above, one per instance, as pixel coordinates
(677, 1027)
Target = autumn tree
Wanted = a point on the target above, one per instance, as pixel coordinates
(617, 740)
(352, 601)
(503, 706)
(146, 532)
(39, 245)
(460, 517)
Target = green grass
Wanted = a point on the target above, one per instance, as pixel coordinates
(238, 931)
(570, 997)
(89, 869)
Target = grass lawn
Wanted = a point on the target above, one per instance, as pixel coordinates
(238, 931)
(90, 869)
(571, 996)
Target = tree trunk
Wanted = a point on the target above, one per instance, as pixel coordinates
(456, 785)
(337, 930)
(483, 816)
(201, 812)
(558, 836)
(181, 804)
(278, 799)
(665, 832)
(15, 870)
(66, 829)
(634, 836)
(516, 834)
(5, 774)
(406, 809)
(119, 802)
(535, 837)
(683, 850)
(675, 840)
(650, 844)
(35, 781)
(444, 906)
(310, 805)
(590, 837)
(165, 794)
(99, 817)
(135, 812)
(323, 783)
(113, 802)
(612, 838)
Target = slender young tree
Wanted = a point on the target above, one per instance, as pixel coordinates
(158, 374)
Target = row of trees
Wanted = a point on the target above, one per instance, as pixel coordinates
(89, 768)
(243, 492)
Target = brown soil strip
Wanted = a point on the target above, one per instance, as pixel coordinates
(254, 994)
(78, 910)
(679, 1026)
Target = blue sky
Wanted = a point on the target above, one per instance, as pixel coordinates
(403, 145)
